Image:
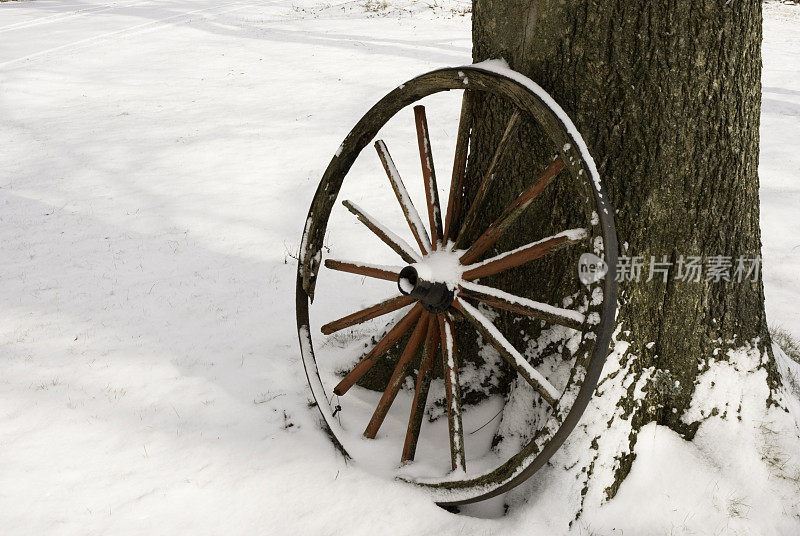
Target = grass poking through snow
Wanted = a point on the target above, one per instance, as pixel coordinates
(788, 343)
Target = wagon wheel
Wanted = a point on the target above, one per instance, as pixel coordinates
(438, 284)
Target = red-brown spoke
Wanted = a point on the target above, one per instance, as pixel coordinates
(389, 273)
(421, 389)
(410, 212)
(428, 174)
(459, 166)
(522, 255)
(511, 213)
(379, 309)
(450, 367)
(399, 374)
(525, 306)
(490, 333)
(399, 245)
(371, 357)
(488, 179)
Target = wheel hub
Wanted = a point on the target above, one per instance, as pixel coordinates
(435, 296)
(432, 280)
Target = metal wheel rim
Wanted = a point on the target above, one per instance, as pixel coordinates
(528, 97)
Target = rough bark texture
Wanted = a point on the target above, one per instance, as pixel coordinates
(667, 96)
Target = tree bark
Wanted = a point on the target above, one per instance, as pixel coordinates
(667, 96)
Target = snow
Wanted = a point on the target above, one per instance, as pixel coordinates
(405, 200)
(429, 164)
(453, 379)
(383, 267)
(779, 163)
(157, 167)
(385, 230)
(519, 360)
(544, 307)
(724, 481)
(500, 66)
(569, 234)
(441, 266)
(405, 285)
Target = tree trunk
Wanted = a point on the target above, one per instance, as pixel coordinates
(667, 96)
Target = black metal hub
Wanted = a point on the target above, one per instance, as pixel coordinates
(434, 296)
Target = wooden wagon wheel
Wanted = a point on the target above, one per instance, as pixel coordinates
(439, 282)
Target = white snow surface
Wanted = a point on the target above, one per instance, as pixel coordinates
(158, 162)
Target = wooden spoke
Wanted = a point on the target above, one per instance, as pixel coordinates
(379, 309)
(421, 389)
(490, 333)
(518, 304)
(410, 212)
(389, 273)
(459, 166)
(399, 374)
(511, 213)
(399, 245)
(522, 255)
(450, 364)
(428, 175)
(371, 357)
(488, 179)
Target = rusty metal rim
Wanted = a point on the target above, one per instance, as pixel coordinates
(519, 467)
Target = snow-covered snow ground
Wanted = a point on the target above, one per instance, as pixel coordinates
(157, 162)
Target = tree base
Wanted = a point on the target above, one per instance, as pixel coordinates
(739, 474)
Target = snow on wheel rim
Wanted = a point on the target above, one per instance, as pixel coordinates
(495, 78)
